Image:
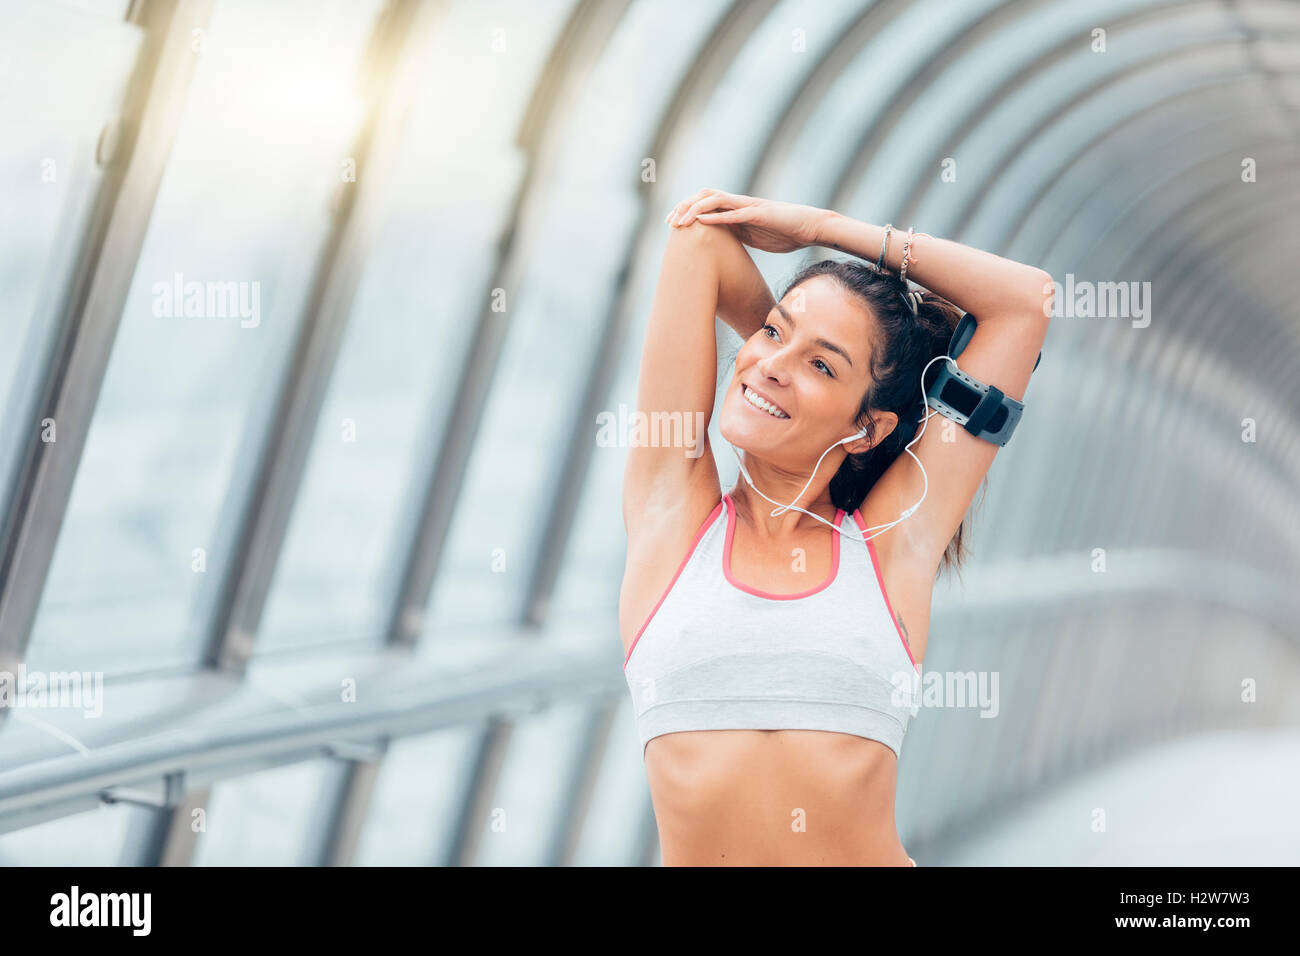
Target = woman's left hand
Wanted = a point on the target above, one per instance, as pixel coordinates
(761, 223)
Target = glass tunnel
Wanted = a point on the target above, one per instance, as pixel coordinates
(311, 550)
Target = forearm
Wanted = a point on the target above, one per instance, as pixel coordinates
(744, 299)
(979, 282)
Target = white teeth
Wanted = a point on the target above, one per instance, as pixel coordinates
(764, 405)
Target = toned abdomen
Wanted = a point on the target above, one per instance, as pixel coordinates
(774, 798)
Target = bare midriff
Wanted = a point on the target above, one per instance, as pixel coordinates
(774, 798)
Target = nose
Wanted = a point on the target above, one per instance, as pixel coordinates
(775, 366)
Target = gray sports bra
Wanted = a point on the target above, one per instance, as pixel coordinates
(716, 654)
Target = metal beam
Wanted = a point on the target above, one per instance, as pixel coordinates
(1102, 136)
(586, 34)
(266, 503)
(340, 835)
(417, 696)
(582, 782)
(582, 41)
(907, 89)
(168, 837)
(1137, 240)
(1024, 75)
(1070, 484)
(1220, 123)
(70, 384)
(1053, 473)
(962, 219)
(421, 696)
(476, 797)
(874, 21)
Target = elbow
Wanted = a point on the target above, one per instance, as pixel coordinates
(1043, 297)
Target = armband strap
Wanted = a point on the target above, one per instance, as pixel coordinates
(984, 411)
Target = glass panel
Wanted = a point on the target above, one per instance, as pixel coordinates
(943, 103)
(62, 79)
(93, 838)
(738, 125)
(242, 212)
(268, 818)
(622, 794)
(528, 804)
(414, 809)
(862, 91)
(1004, 181)
(587, 587)
(111, 9)
(397, 369)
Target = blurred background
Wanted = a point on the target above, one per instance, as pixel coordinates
(310, 310)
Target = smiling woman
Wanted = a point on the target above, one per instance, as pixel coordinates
(772, 710)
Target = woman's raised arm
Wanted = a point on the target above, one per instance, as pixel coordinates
(706, 272)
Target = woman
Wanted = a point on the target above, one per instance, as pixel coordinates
(770, 664)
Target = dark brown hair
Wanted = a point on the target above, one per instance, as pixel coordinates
(902, 344)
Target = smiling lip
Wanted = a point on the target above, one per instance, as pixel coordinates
(765, 398)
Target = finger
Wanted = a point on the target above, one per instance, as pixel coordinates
(714, 202)
(705, 199)
(742, 214)
(719, 201)
(674, 217)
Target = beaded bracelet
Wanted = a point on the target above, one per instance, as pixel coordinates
(907, 251)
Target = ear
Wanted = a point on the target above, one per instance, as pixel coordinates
(886, 422)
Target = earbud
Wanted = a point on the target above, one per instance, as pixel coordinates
(875, 530)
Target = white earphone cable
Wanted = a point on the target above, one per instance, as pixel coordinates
(924, 422)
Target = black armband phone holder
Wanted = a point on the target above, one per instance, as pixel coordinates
(983, 410)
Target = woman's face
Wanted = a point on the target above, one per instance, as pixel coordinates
(810, 365)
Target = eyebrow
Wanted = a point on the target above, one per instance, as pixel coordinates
(831, 346)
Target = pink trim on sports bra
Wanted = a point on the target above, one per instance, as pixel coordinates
(689, 551)
(726, 560)
(880, 579)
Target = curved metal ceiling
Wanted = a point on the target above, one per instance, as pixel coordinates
(1122, 166)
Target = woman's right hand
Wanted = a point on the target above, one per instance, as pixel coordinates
(761, 223)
